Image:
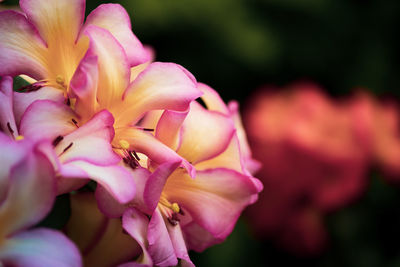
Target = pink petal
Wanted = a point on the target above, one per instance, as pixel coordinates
(45, 119)
(168, 127)
(147, 144)
(161, 247)
(115, 19)
(136, 223)
(112, 208)
(214, 199)
(155, 183)
(159, 86)
(250, 164)
(40, 247)
(84, 85)
(55, 20)
(212, 99)
(113, 67)
(21, 48)
(31, 193)
(7, 120)
(23, 100)
(115, 179)
(11, 153)
(90, 142)
(204, 134)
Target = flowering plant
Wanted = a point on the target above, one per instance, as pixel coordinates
(121, 136)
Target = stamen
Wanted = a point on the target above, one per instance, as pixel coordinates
(124, 144)
(175, 207)
(9, 128)
(74, 122)
(60, 80)
(68, 147)
(19, 138)
(57, 140)
(135, 155)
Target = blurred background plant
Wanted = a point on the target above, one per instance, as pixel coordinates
(240, 46)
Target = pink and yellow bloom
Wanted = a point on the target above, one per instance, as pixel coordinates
(103, 81)
(27, 193)
(46, 42)
(189, 213)
(82, 152)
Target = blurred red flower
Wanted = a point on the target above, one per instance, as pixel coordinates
(314, 158)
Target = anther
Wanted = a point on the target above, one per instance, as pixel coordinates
(19, 138)
(60, 80)
(68, 147)
(135, 155)
(148, 129)
(68, 101)
(175, 207)
(74, 122)
(124, 144)
(57, 140)
(9, 128)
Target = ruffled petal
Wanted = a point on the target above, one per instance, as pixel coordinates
(40, 247)
(21, 48)
(23, 100)
(31, 193)
(114, 18)
(45, 119)
(115, 179)
(146, 143)
(204, 134)
(7, 119)
(214, 199)
(136, 223)
(159, 86)
(113, 67)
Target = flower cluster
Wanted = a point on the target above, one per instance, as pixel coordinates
(315, 153)
(170, 174)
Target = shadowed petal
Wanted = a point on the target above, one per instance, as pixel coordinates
(7, 120)
(136, 223)
(30, 195)
(40, 247)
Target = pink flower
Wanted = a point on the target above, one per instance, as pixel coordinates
(103, 81)
(77, 151)
(189, 213)
(313, 162)
(27, 193)
(47, 41)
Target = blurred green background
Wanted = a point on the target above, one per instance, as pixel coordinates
(236, 46)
